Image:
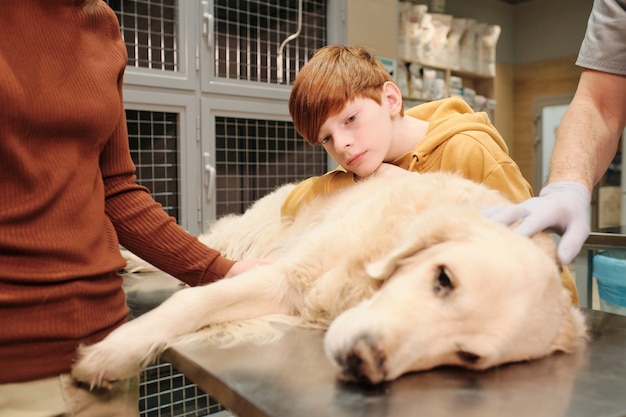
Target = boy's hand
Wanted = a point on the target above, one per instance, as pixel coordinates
(562, 207)
(389, 170)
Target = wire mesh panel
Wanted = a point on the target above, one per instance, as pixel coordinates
(249, 34)
(153, 139)
(150, 30)
(254, 156)
(165, 392)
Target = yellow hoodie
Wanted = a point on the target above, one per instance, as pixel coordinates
(457, 140)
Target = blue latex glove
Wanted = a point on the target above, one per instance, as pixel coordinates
(562, 207)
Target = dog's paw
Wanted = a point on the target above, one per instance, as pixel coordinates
(102, 364)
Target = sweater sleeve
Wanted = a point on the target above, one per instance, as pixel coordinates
(143, 227)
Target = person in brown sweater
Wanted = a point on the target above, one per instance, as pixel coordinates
(68, 198)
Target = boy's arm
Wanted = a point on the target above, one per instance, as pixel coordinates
(313, 187)
(476, 156)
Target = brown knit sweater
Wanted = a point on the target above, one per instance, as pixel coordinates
(67, 188)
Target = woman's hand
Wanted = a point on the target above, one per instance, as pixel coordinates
(246, 265)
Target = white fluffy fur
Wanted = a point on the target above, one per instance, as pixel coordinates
(404, 273)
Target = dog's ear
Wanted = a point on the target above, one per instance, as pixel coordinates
(383, 268)
(426, 230)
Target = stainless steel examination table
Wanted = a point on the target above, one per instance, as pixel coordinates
(294, 378)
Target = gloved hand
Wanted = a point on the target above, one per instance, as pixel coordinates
(562, 207)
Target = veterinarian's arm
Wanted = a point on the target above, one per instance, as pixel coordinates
(586, 142)
(589, 133)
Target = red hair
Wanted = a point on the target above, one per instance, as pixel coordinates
(334, 76)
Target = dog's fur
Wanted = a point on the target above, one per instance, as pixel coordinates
(404, 273)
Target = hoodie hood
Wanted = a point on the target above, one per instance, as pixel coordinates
(449, 117)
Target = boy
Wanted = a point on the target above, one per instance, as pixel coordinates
(344, 100)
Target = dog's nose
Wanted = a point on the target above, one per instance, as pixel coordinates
(364, 362)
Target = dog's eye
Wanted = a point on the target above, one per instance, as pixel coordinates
(468, 357)
(443, 284)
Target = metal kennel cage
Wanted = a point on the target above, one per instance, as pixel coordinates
(169, 57)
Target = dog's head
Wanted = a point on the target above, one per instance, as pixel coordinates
(459, 290)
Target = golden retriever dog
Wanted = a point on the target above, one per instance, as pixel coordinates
(404, 273)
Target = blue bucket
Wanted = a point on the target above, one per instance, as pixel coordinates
(609, 270)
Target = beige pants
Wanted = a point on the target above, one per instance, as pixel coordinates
(60, 396)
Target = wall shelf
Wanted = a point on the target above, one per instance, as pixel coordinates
(437, 82)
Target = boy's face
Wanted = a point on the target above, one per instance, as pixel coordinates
(359, 136)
